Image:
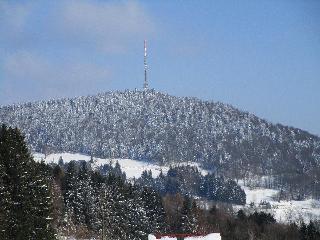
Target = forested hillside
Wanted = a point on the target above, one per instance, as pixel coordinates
(63, 201)
(158, 127)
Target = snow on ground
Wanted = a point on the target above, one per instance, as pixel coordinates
(132, 168)
(212, 236)
(283, 211)
(259, 195)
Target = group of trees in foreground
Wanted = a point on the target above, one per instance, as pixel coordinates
(25, 194)
(38, 201)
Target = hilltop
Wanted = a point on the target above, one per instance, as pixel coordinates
(156, 127)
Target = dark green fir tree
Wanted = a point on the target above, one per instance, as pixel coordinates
(189, 222)
(24, 189)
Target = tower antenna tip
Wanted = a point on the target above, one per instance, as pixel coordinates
(145, 84)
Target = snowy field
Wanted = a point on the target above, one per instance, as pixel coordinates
(283, 211)
(132, 168)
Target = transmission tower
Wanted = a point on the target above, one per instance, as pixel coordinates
(145, 84)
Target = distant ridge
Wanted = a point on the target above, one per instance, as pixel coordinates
(154, 126)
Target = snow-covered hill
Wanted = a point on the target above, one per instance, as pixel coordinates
(154, 126)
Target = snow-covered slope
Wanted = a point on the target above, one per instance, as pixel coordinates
(263, 199)
(132, 168)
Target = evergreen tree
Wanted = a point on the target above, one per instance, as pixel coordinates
(155, 213)
(91, 160)
(137, 221)
(303, 231)
(60, 161)
(70, 191)
(4, 204)
(312, 233)
(112, 212)
(146, 179)
(117, 169)
(58, 175)
(26, 202)
(85, 200)
(160, 183)
(42, 202)
(188, 216)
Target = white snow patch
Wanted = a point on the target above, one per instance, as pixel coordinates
(54, 157)
(283, 211)
(258, 195)
(132, 168)
(212, 236)
(151, 237)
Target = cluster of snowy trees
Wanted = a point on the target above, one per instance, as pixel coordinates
(104, 205)
(39, 201)
(188, 181)
(153, 126)
(260, 225)
(239, 225)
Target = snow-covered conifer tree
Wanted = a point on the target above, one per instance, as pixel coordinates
(27, 208)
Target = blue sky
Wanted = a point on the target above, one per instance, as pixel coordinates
(260, 56)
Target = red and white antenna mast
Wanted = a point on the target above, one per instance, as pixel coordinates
(145, 84)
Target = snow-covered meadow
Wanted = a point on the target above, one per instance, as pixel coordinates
(263, 199)
(132, 168)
